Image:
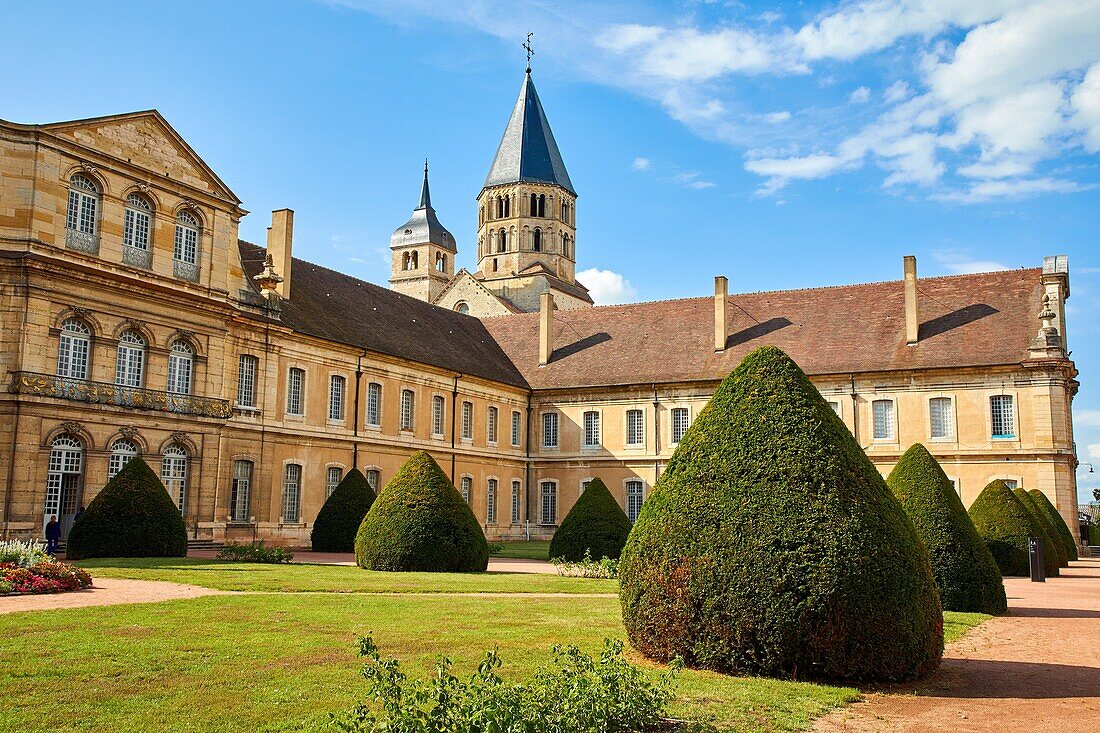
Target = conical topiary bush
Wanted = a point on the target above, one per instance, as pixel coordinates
(419, 522)
(965, 572)
(596, 524)
(1052, 546)
(772, 546)
(1061, 529)
(132, 516)
(339, 519)
(1005, 525)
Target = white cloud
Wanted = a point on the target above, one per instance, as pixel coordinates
(960, 262)
(641, 164)
(691, 179)
(782, 170)
(1009, 189)
(897, 91)
(1087, 418)
(607, 287)
(1086, 106)
(1094, 451)
(776, 118)
(862, 95)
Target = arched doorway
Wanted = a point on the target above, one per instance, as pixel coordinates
(64, 481)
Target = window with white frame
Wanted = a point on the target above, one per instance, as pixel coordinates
(883, 414)
(122, 450)
(137, 222)
(1010, 483)
(64, 476)
(585, 484)
(635, 428)
(941, 418)
(515, 501)
(467, 420)
(295, 383)
(465, 486)
(681, 418)
(549, 430)
(83, 205)
(834, 405)
(292, 493)
(374, 404)
(439, 407)
(374, 477)
(336, 388)
(187, 238)
(592, 429)
(548, 496)
(332, 479)
(491, 424)
(130, 360)
(408, 405)
(173, 474)
(516, 428)
(181, 364)
(240, 490)
(247, 366)
(491, 502)
(635, 496)
(1003, 416)
(73, 348)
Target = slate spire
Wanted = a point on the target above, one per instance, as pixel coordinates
(425, 195)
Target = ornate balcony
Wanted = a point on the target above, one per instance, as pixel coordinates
(186, 270)
(82, 241)
(100, 393)
(136, 257)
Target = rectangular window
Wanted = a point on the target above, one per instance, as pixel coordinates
(549, 430)
(439, 406)
(834, 405)
(374, 404)
(1003, 416)
(239, 491)
(292, 493)
(680, 420)
(515, 502)
(515, 427)
(187, 244)
(635, 427)
(407, 406)
(374, 476)
(1010, 483)
(491, 502)
(246, 380)
(884, 419)
(467, 420)
(465, 486)
(585, 484)
(336, 397)
(592, 429)
(635, 496)
(941, 418)
(295, 381)
(491, 427)
(549, 496)
(332, 479)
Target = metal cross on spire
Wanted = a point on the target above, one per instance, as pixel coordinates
(530, 51)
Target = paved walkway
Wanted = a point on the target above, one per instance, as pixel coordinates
(1035, 670)
(496, 564)
(106, 592)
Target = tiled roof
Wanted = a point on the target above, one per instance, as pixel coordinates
(337, 307)
(966, 320)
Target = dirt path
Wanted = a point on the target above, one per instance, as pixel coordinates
(107, 592)
(1036, 670)
(496, 564)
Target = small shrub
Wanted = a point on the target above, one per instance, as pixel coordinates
(22, 553)
(1052, 546)
(45, 577)
(1005, 525)
(575, 692)
(133, 516)
(495, 548)
(339, 519)
(596, 525)
(254, 552)
(586, 567)
(1061, 529)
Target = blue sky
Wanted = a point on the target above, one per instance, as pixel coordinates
(783, 145)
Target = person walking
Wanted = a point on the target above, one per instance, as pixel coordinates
(53, 535)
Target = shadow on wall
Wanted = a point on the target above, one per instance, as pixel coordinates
(954, 319)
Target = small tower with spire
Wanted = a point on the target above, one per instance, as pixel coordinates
(423, 251)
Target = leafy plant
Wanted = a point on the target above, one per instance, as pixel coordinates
(495, 548)
(254, 552)
(596, 525)
(586, 567)
(45, 577)
(25, 554)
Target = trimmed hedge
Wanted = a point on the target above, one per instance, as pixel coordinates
(132, 516)
(419, 522)
(339, 519)
(1052, 546)
(596, 524)
(772, 546)
(965, 572)
(1005, 525)
(1061, 529)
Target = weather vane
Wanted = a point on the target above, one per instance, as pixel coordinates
(530, 51)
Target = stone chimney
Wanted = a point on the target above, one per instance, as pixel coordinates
(279, 237)
(546, 327)
(912, 320)
(721, 293)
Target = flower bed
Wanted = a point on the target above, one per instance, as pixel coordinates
(26, 568)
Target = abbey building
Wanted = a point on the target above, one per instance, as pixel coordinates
(134, 321)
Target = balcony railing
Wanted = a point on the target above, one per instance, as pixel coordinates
(186, 270)
(101, 393)
(136, 257)
(82, 241)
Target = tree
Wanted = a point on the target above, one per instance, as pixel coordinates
(1005, 525)
(339, 519)
(965, 572)
(596, 524)
(1052, 546)
(1061, 529)
(132, 516)
(419, 522)
(772, 546)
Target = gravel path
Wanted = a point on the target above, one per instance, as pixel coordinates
(1035, 670)
(107, 592)
(496, 564)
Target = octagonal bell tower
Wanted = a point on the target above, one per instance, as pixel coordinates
(423, 251)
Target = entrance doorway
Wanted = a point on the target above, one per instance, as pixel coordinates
(64, 482)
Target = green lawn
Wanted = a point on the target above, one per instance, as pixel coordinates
(531, 550)
(283, 661)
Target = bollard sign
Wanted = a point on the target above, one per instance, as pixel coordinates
(1035, 559)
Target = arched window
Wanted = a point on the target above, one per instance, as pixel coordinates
(507, 205)
(414, 263)
(82, 220)
(187, 238)
(502, 241)
(500, 207)
(440, 262)
(542, 205)
(121, 452)
(635, 497)
(136, 230)
(491, 502)
(181, 358)
(130, 363)
(374, 404)
(64, 481)
(536, 239)
(408, 398)
(73, 346)
(462, 307)
(465, 485)
(173, 474)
